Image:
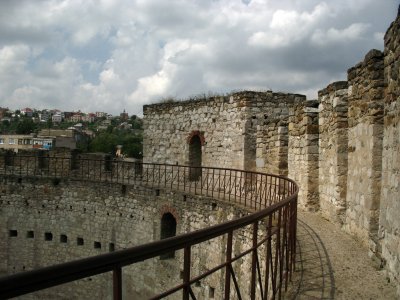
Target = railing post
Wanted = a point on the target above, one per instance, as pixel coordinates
(117, 283)
(228, 266)
(186, 273)
(268, 257)
(254, 262)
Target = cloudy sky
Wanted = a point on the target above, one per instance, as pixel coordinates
(112, 55)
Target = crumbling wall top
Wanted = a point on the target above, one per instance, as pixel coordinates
(332, 87)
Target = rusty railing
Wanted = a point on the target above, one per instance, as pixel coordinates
(271, 199)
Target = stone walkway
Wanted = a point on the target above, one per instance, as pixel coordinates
(332, 265)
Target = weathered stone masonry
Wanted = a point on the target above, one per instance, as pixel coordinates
(45, 223)
(389, 220)
(343, 149)
(303, 152)
(333, 123)
(365, 129)
(230, 125)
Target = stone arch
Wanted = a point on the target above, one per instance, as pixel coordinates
(168, 229)
(196, 141)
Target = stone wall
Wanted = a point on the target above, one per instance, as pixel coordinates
(229, 126)
(389, 220)
(365, 128)
(333, 150)
(303, 152)
(345, 156)
(220, 120)
(43, 223)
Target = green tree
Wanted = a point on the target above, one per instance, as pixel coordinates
(105, 142)
(25, 126)
(132, 145)
(49, 123)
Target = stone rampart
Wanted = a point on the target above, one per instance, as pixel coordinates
(303, 152)
(228, 126)
(333, 150)
(344, 156)
(45, 223)
(389, 220)
(365, 132)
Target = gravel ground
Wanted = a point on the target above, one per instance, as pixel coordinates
(333, 265)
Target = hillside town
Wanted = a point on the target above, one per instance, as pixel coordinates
(33, 129)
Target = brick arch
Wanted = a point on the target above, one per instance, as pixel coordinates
(169, 209)
(194, 133)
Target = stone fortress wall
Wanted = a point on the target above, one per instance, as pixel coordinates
(227, 124)
(46, 222)
(342, 149)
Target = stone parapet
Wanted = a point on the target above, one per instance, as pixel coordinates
(333, 125)
(389, 221)
(303, 151)
(366, 93)
(365, 117)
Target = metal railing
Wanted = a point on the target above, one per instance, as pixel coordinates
(271, 199)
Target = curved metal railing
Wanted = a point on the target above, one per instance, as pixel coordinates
(271, 199)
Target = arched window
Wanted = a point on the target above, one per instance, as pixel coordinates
(168, 229)
(195, 158)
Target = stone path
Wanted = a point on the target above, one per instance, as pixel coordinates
(332, 265)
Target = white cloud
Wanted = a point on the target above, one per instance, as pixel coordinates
(113, 55)
(288, 26)
(347, 35)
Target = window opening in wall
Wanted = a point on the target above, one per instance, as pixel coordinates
(97, 245)
(79, 241)
(123, 189)
(63, 238)
(30, 234)
(48, 236)
(195, 159)
(211, 292)
(111, 247)
(13, 233)
(168, 229)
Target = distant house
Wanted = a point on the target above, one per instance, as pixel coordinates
(65, 138)
(77, 117)
(68, 115)
(16, 142)
(100, 114)
(27, 112)
(57, 118)
(44, 115)
(43, 143)
(125, 125)
(90, 118)
(3, 112)
(106, 122)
